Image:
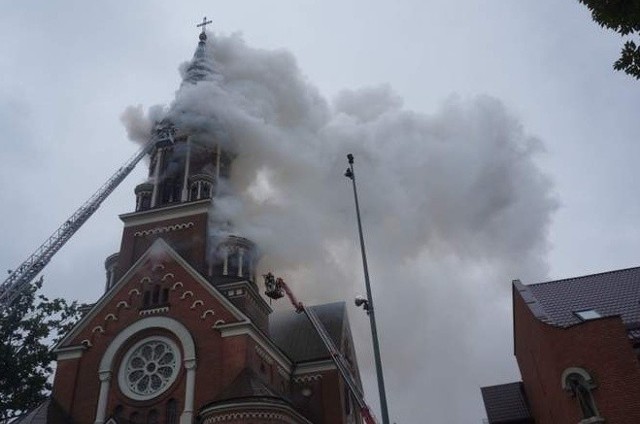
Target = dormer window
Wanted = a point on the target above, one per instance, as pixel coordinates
(588, 314)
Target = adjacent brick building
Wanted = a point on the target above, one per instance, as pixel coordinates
(182, 333)
(576, 343)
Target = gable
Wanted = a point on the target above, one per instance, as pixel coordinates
(188, 292)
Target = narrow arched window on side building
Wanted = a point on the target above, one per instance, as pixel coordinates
(580, 384)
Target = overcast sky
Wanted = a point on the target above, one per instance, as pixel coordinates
(70, 68)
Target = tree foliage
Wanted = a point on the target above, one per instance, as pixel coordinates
(28, 329)
(623, 17)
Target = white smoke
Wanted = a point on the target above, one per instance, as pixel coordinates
(453, 206)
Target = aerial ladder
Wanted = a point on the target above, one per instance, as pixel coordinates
(20, 278)
(275, 288)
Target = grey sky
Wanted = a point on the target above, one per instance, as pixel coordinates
(69, 70)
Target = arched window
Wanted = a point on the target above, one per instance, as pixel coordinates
(193, 192)
(165, 295)
(145, 202)
(156, 295)
(134, 418)
(152, 418)
(172, 412)
(118, 413)
(246, 264)
(206, 190)
(233, 263)
(580, 384)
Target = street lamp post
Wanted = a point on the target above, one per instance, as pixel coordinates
(368, 304)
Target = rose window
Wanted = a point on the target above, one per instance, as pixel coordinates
(149, 368)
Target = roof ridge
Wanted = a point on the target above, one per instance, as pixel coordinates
(584, 276)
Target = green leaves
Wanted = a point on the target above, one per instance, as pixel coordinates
(28, 329)
(623, 17)
(629, 61)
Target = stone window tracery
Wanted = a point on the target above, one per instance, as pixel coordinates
(149, 368)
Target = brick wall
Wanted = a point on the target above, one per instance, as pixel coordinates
(600, 346)
(76, 384)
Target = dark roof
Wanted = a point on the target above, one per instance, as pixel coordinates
(293, 333)
(247, 385)
(48, 412)
(37, 416)
(506, 403)
(609, 293)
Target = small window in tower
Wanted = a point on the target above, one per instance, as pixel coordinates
(588, 314)
(246, 265)
(233, 264)
(156, 295)
(145, 202)
(165, 295)
(146, 299)
(206, 190)
(193, 192)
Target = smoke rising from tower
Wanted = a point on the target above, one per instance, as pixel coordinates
(454, 207)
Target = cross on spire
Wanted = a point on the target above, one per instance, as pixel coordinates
(204, 24)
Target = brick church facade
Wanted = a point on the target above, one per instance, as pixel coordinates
(182, 334)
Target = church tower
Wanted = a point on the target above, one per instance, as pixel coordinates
(182, 333)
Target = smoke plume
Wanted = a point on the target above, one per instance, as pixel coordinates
(453, 205)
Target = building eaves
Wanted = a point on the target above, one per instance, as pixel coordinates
(612, 293)
(506, 403)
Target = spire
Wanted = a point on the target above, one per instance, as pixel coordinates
(201, 66)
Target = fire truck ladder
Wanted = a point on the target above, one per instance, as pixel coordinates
(275, 289)
(20, 278)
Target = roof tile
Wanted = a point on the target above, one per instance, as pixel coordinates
(610, 293)
(506, 403)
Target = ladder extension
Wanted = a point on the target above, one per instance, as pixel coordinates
(20, 278)
(277, 288)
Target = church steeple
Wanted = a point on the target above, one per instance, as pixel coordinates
(182, 334)
(201, 66)
(179, 199)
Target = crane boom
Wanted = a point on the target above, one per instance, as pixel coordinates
(274, 289)
(20, 278)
